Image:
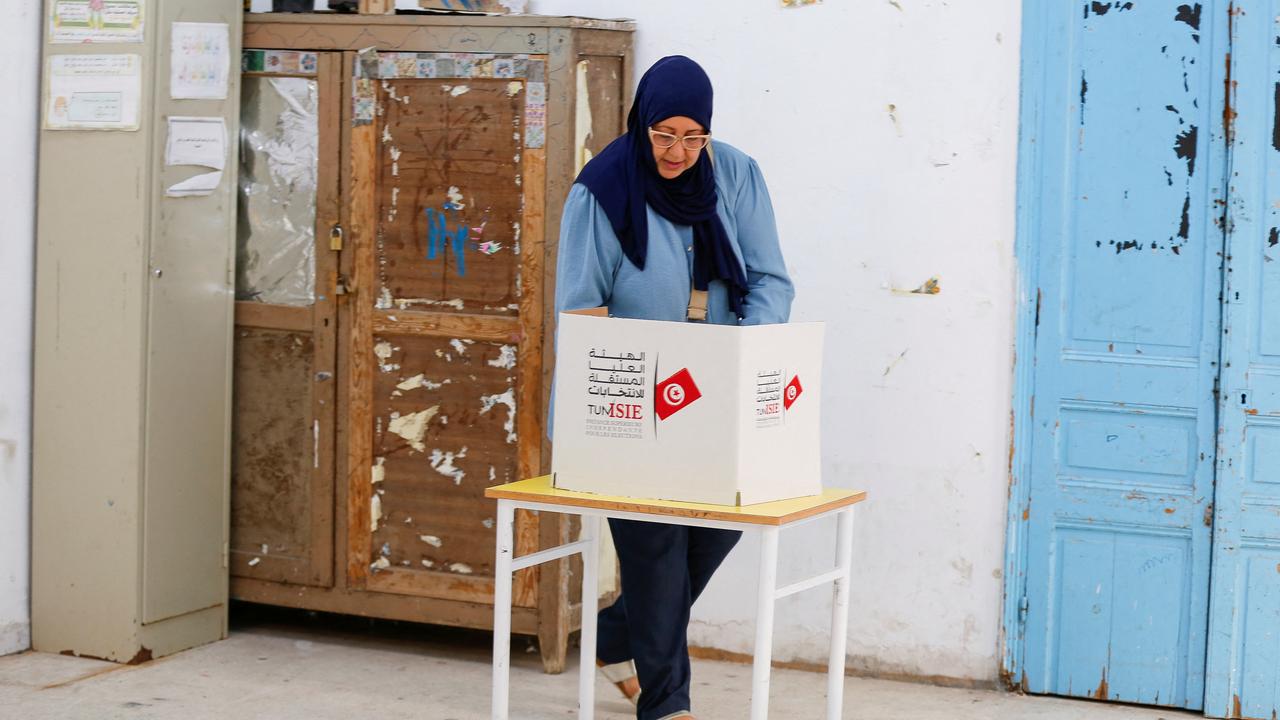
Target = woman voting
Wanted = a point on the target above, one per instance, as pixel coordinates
(666, 224)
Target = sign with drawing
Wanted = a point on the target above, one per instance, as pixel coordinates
(96, 21)
(93, 92)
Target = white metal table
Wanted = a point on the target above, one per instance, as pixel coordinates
(766, 518)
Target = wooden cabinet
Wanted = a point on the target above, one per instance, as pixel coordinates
(400, 190)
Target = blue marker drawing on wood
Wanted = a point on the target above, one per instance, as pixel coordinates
(439, 236)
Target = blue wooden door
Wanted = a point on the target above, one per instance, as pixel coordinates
(1121, 162)
(1243, 674)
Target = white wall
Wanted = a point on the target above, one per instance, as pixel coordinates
(19, 86)
(869, 202)
(887, 132)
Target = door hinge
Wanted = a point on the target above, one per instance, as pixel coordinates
(1023, 606)
(226, 555)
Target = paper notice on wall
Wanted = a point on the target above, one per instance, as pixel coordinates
(199, 61)
(94, 92)
(96, 21)
(197, 141)
(203, 184)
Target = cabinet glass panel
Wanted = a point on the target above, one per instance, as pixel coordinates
(275, 249)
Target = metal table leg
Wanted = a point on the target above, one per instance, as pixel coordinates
(767, 593)
(502, 609)
(587, 662)
(840, 614)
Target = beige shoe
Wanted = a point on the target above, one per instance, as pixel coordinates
(623, 676)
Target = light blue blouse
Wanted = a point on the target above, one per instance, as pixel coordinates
(592, 270)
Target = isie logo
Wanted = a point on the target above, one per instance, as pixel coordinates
(792, 392)
(675, 394)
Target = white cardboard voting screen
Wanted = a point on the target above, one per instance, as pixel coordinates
(687, 411)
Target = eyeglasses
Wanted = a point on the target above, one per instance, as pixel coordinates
(666, 140)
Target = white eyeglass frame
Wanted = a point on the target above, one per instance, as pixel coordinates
(654, 134)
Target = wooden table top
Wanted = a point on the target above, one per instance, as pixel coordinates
(779, 512)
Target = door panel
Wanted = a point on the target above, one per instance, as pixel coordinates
(1125, 350)
(286, 324)
(449, 191)
(441, 436)
(1244, 650)
(1129, 565)
(452, 384)
(274, 454)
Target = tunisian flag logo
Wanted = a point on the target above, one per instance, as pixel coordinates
(674, 394)
(792, 392)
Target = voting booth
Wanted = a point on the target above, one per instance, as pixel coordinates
(687, 411)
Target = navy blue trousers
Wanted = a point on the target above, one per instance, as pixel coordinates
(664, 569)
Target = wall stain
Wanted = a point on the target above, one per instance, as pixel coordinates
(1190, 14)
(1102, 8)
(1084, 90)
(1275, 124)
(1229, 87)
(1102, 691)
(1122, 246)
(1273, 238)
(1185, 223)
(932, 286)
(1185, 148)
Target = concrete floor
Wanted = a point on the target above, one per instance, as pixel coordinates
(285, 666)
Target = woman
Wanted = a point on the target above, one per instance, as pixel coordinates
(667, 225)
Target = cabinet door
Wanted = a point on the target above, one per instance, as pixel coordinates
(286, 324)
(446, 327)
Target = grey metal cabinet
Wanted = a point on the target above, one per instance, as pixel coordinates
(132, 360)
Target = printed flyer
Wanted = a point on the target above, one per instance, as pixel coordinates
(96, 21)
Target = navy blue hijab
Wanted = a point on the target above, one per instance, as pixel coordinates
(624, 178)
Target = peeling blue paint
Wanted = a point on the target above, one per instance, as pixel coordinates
(1244, 625)
(1113, 468)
